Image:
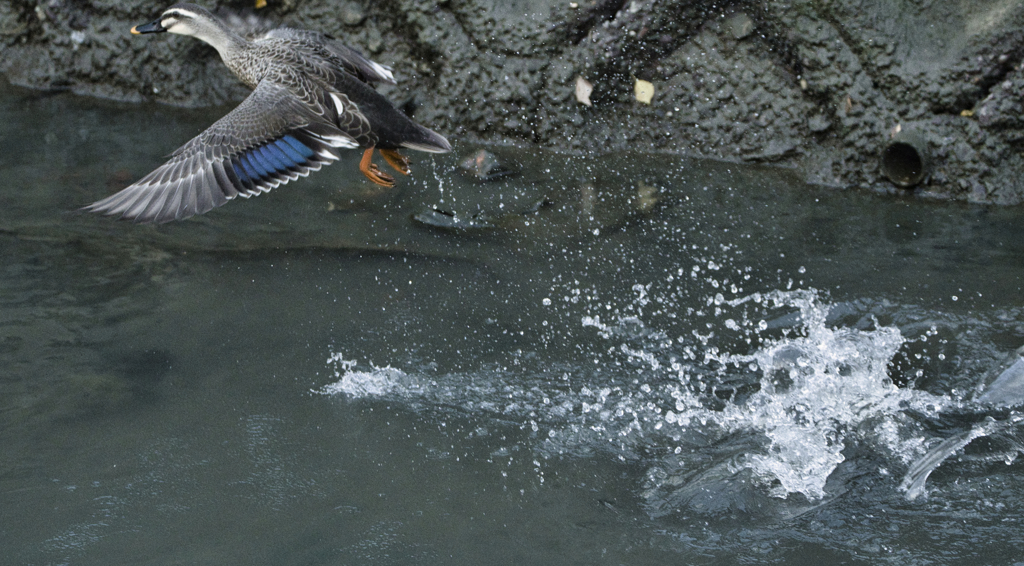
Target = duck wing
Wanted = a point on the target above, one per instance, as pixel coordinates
(349, 59)
(271, 138)
(253, 27)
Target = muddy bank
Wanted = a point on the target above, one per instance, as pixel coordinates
(817, 85)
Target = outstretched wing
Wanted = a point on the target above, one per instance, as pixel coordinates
(271, 138)
(253, 27)
(347, 58)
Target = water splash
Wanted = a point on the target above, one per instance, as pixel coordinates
(377, 382)
(1001, 388)
(796, 399)
(816, 388)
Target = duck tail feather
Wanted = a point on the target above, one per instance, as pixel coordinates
(430, 142)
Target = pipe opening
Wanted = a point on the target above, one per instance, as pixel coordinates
(903, 164)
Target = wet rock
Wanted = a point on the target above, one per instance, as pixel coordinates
(352, 14)
(818, 124)
(774, 151)
(740, 25)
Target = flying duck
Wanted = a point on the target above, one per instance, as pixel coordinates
(312, 96)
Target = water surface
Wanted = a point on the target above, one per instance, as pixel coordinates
(602, 359)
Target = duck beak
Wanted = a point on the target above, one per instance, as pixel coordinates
(152, 27)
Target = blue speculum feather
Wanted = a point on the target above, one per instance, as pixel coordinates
(289, 151)
(279, 155)
(239, 172)
(250, 171)
(299, 147)
(275, 157)
(262, 168)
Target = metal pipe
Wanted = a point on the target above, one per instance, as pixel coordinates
(906, 159)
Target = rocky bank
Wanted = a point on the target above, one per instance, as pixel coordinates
(819, 85)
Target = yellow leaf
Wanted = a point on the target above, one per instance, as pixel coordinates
(644, 91)
(583, 90)
(260, 4)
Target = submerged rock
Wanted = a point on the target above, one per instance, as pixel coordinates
(450, 221)
(485, 166)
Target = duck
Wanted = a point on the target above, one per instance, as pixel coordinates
(312, 96)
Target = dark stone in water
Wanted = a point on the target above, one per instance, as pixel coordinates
(451, 221)
(485, 166)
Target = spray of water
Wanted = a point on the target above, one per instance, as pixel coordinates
(811, 390)
(817, 387)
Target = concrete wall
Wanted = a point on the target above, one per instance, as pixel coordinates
(818, 85)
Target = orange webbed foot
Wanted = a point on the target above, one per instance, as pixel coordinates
(372, 172)
(396, 160)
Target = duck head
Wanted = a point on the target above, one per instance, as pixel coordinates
(184, 19)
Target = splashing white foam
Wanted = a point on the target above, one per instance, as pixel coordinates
(378, 382)
(815, 390)
(818, 387)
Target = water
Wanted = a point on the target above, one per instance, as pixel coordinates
(625, 359)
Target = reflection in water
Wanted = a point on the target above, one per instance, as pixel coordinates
(638, 359)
